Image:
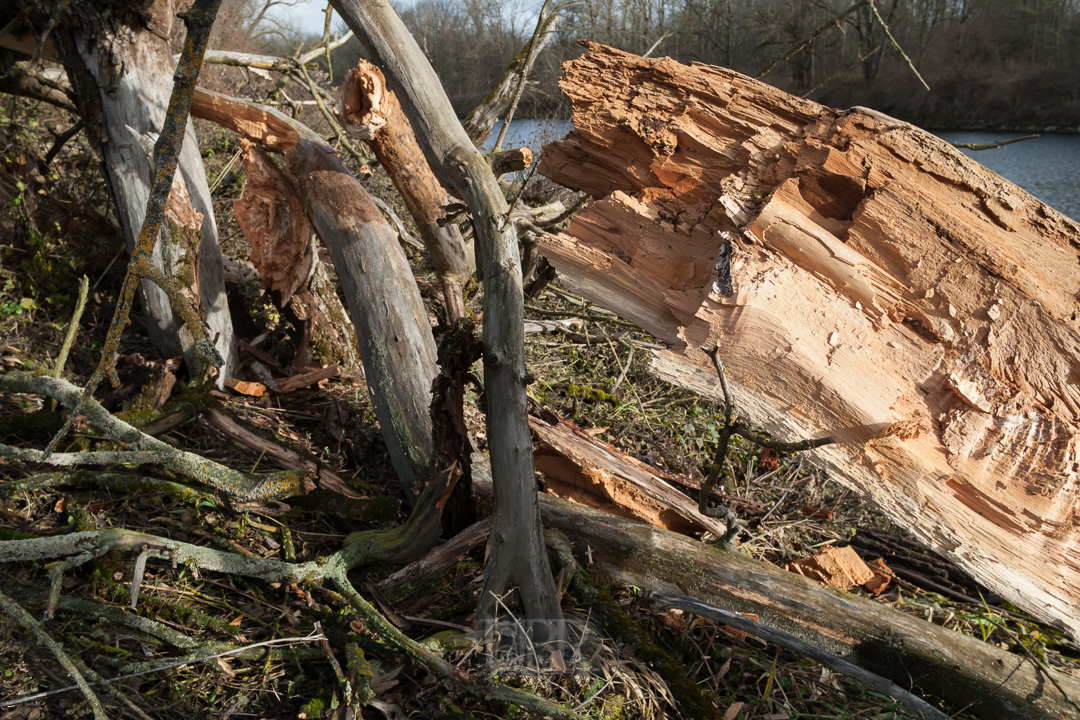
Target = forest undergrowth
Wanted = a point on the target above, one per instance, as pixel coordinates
(591, 369)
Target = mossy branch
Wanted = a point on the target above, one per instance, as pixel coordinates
(143, 448)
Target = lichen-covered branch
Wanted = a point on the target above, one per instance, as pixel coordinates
(236, 485)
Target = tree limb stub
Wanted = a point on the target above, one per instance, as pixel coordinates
(518, 554)
(887, 290)
(370, 111)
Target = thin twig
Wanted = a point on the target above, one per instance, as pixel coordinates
(542, 20)
(28, 621)
(313, 637)
(896, 45)
(73, 327)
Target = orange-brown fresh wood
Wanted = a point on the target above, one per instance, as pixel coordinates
(887, 290)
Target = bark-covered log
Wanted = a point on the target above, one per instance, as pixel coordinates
(966, 674)
(396, 345)
(370, 111)
(119, 64)
(887, 290)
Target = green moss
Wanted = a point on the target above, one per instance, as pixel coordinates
(592, 582)
(590, 394)
(314, 707)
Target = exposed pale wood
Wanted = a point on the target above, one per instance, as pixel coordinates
(388, 315)
(840, 567)
(271, 215)
(889, 291)
(508, 161)
(241, 387)
(591, 472)
(370, 111)
(123, 78)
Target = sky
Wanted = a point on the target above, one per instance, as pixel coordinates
(308, 15)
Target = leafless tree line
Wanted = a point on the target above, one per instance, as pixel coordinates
(995, 63)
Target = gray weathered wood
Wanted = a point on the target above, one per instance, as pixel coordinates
(122, 77)
(518, 554)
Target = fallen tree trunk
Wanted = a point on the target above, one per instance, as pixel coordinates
(968, 675)
(885, 290)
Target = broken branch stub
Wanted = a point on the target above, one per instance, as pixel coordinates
(370, 111)
(886, 290)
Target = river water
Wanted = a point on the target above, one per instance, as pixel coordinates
(1048, 168)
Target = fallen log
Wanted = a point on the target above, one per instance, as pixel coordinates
(862, 279)
(968, 675)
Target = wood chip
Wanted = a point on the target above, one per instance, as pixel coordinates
(840, 567)
(241, 387)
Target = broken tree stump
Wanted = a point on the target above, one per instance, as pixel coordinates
(885, 289)
(370, 112)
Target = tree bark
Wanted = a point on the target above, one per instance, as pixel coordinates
(369, 111)
(518, 554)
(887, 291)
(391, 325)
(968, 675)
(120, 66)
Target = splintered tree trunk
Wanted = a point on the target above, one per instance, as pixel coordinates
(271, 215)
(121, 68)
(886, 290)
(391, 325)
